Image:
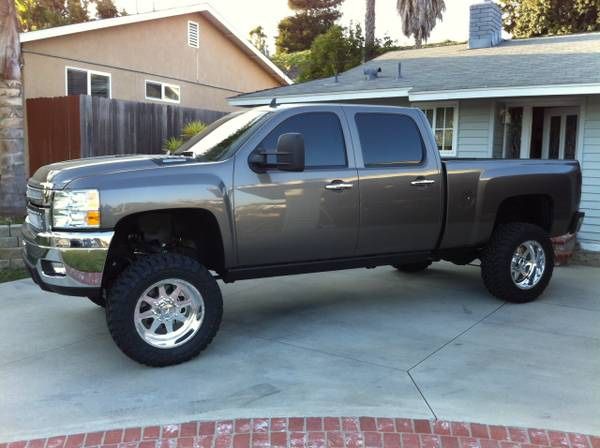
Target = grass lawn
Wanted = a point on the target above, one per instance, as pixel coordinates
(11, 220)
(8, 275)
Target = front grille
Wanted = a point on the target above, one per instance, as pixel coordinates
(38, 196)
(38, 211)
(35, 195)
(37, 216)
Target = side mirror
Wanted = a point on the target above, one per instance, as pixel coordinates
(289, 155)
(290, 152)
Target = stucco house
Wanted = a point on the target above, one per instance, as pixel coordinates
(530, 98)
(188, 56)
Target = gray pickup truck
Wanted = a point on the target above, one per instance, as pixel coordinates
(283, 190)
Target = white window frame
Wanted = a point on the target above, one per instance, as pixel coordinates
(197, 25)
(434, 106)
(163, 98)
(89, 79)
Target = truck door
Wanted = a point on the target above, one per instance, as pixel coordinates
(284, 217)
(401, 200)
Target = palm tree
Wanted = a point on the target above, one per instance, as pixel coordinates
(12, 179)
(10, 49)
(419, 17)
(370, 29)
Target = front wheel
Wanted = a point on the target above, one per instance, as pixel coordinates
(517, 263)
(164, 309)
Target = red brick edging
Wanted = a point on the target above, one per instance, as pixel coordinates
(319, 432)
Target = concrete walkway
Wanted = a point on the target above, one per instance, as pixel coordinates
(362, 342)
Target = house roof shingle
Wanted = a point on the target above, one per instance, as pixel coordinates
(547, 61)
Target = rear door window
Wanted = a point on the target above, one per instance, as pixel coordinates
(389, 139)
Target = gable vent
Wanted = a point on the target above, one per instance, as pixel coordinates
(193, 34)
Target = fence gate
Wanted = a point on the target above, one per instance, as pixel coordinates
(53, 131)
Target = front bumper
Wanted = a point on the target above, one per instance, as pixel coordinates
(66, 262)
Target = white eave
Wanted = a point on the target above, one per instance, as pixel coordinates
(437, 95)
(315, 97)
(504, 92)
(207, 10)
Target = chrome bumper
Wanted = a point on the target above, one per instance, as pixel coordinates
(66, 262)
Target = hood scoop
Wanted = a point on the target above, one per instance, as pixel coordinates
(170, 160)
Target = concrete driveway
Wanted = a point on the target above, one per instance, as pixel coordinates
(362, 342)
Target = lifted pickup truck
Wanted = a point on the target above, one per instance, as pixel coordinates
(284, 190)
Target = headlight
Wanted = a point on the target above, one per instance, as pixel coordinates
(76, 209)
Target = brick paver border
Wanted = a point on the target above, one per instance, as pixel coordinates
(318, 432)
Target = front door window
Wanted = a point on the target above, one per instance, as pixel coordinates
(571, 136)
(540, 132)
(560, 133)
(513, 133)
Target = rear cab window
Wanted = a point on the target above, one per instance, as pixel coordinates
(323, 138)
(389, 139)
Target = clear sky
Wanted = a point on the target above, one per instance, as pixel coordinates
(247, 14)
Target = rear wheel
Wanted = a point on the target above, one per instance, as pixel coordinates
(517, 263)
(98, 300)
(164, 309)
(411, 268)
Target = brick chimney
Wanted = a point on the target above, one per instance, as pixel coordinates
(485, 28)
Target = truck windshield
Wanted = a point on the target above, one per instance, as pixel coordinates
(223, 137)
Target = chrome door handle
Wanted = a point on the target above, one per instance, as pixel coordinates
(422, 182)
(337, 186)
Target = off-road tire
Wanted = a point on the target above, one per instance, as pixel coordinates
(496, 261)
(98, 300)
(413, 268)
(132, 283)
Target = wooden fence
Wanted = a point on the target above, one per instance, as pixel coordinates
(85, 126)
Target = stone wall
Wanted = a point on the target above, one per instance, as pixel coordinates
(12, 149)
(10, 246)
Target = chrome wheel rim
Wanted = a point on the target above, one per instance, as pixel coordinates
(528, 264)
(169, 313)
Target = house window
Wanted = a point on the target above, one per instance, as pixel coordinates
(444, 122)
(161, 91)
(87, 82)
(193, 34)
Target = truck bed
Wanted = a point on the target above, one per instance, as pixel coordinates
(476, 189)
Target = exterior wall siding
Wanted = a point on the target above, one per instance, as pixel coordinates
(589, 235)
(156, 50)
(474, 128)
(125, 84)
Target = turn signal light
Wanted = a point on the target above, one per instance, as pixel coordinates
(93, 218)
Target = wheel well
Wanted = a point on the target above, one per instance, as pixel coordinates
(534, 209)
(192, 232)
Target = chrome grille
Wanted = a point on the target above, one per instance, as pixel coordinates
(37, 217)
(35, 195)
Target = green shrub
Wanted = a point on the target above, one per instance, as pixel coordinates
(172, 144)
(191, 129)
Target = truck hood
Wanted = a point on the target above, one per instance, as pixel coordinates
(59, 175)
